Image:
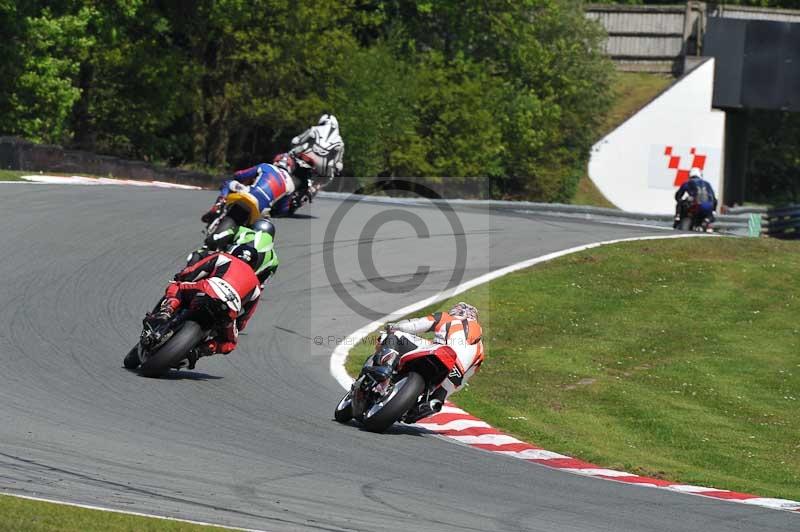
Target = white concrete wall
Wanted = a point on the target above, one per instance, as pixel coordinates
(638, 165)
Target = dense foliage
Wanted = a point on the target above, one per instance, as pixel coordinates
(784, 4)
(773, 158)
(508, 89)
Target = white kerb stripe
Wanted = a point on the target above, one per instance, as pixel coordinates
(453, 410)
(780, 504)
(533, 454)
(685, 488)
(595, 472)
(487, 439)
(456, 424)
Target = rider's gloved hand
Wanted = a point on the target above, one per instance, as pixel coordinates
(236, 186)
(214, 211)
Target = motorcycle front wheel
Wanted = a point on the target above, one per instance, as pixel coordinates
(131, 360)
(174, 350)
(400, 399)
(344, 410)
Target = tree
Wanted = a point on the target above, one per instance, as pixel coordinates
(450, 90)
(773, 161)
(51, 47)
(544, 77)
(375, 97)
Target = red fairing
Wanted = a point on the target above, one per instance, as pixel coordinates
(236, 273)
(444, 353)
(277, 184)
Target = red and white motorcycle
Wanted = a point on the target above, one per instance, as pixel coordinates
(399, 387)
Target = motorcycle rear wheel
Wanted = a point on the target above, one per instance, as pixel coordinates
(400, 400)
(175, 350)
(686, 224)
(224, 225)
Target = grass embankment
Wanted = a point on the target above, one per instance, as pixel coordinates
(22, 515)
(632, 91)
(676, 359)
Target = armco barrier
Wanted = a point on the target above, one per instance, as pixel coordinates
(19, 154)
(737, 224)
(782, 222)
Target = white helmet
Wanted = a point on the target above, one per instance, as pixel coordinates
(464, 311)
(695, 172)
(329, 119)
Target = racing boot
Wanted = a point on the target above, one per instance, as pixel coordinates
(200, 351)
(163, 314)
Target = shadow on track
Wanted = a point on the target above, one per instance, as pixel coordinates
(397, 429)
(174, 375)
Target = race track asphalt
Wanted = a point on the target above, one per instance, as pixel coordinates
(248, 440)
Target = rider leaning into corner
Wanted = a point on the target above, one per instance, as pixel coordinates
(458, 329)
(321, 147)
(279, 191)
(695, 191)
(268, 183)
(237, 269)
(260, 235)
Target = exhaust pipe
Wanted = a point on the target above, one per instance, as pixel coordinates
(436, 405)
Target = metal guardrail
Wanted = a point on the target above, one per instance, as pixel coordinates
(782, 222)
(752, 209)
(737, 223)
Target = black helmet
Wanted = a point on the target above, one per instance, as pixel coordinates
(264, 226)
(247, 254)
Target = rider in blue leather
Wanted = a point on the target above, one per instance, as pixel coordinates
(270, 184)
(696, 191)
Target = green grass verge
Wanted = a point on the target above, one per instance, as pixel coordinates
(23, 515)
(632, 91)
(12, 175)
(674, 358)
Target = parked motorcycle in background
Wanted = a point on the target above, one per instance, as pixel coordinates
(695, 217)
